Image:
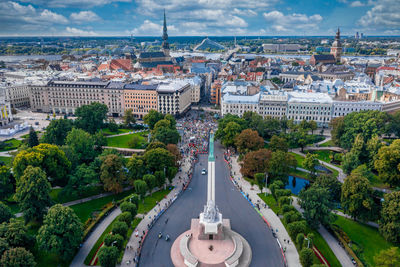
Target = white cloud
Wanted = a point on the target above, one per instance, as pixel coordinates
(356, 4)
(84, 16)
(244, 12)
(149, 28)
(385, 14)
(70, 31)
(292, 22)
(73, 3)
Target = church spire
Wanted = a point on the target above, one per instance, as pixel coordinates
(165, 44)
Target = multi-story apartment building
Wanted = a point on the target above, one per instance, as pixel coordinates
(140, 98)
(17, 94)
(174, 98)
(309, 106)
(273, 105)
(66, 96)
(215, 93)
(239, 104)
(342, 108)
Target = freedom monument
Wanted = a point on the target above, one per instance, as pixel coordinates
(210, 240)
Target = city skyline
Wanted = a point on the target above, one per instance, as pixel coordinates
(197, 18)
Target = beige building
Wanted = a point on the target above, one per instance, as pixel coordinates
(65, 96)
(174, 97)
(140, 98)
(273, 105)
(17, 95)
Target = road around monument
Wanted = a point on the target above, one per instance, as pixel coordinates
(244, 219)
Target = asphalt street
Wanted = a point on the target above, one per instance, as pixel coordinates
(244, 219)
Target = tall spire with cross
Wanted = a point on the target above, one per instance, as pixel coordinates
(165, 44)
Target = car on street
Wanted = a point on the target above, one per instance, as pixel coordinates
(203, 171)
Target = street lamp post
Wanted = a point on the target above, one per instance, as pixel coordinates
(266, 183)
(308, 244)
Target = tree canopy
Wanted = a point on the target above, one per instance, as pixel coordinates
(57, 131)
(248, 140)
(387, 163)
(112, 173)
(81, 144)
(91, 117)
(255, 162)
(389, 224)
(152, 117)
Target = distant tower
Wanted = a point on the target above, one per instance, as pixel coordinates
(336, 48)
(165, 44)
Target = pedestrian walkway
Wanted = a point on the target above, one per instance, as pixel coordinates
(134, 244)
(291, 254)
(337, 249)
(373, 224)
(79, 258)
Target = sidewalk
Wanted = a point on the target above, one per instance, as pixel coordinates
(291, 254)
(339, 251)
(134, 243)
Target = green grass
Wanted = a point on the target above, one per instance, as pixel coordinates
(7, 160)
(365, 236)
(107, 131)
(324, 248)
(14, 144)
(270, 201)
(63, 198)
(122, 140)
(84, 210)
(327, 144)
(376, 182)
(150, 201)
(299, 159)
(299, 173)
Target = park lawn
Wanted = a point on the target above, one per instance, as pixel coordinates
(270, 201)
(84, 210)
(107, 131)
(327, 144)
(123, 140)
(365, 236)
(14, 144)
(150, 201)
(7, 160)
(299, 159)
(299, 173)
(324, 248)
(63, 198)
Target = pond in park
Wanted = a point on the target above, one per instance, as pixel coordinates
(295, 184)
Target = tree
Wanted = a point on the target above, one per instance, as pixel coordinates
(81, 144)
(91, 117)
(99, 141)
(57, 131)
(296, 228)
(300, 240)
(350, 161)
(125, 217)
(134, 142)
(114, 240)
(152, 118)
(260, 180)
(50, 158)
(331, 184)
(32, 139)
(389, 224)
(254, 162)
(171, 173)
(112, 174)
(174, 150)
(129, 118)
(129, 207)
(388, 258)
(280, 165)
(158, 159)
(17, 257)
(356, 197)
(3, 247)
(160, 178)
(61, 232)
(136, 167)
(317, 206)
(278, 143)
(155, 144)
(306, 257)
(231, 130)
(310, 162)
(78, 182)
(248, 140)
(387, 163)
(313, 126)
(108, 256)
(166, 135)
(150, 181)
(112, 126)
(33, 193)
(119, 228)
(16, 234)
(373, 145)
(5, 213)
(6, 183)
(140, 188)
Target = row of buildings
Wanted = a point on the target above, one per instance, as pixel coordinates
(300, 105)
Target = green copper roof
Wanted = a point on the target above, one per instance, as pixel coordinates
(211, 148)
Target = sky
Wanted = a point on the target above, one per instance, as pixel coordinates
(198, 17)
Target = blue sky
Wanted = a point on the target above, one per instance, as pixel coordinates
(198, 17)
